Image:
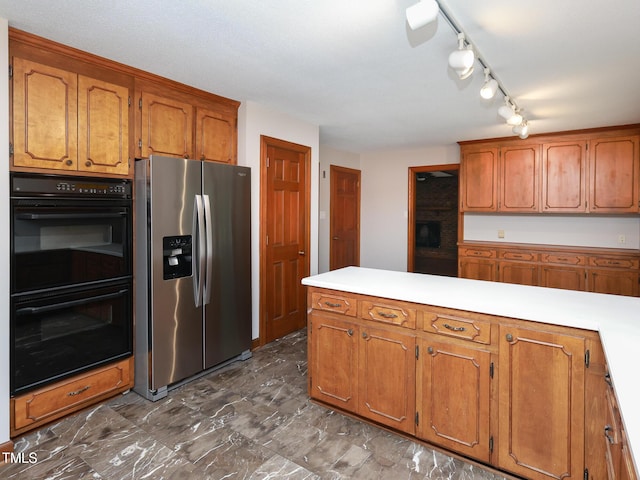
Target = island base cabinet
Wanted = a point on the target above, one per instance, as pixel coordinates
(453, 397)
(333, 358)
(386, 375)
(541, 395)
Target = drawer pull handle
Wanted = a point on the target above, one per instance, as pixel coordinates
(333, 305)
(607, 433)
(387, 315)
(455, 329)
(563, 259)
(78, 392)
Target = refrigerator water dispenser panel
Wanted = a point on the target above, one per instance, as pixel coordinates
(176, 257)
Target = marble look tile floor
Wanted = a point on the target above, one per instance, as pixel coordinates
(250, 420)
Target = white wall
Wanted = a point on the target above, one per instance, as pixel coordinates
(4, 227)
(255, 120)
(328, 157)
(384, 208)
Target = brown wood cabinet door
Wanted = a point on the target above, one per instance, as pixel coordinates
(519, 179)
(479, 180)
(614, 174)
(103, 127)
(616, 282)
(333, 361)
(541, 393)
(520, 273)
(216, 135)
(45, 116)
(386, 375)
(167, 127)
(564, 174)
(453, 395)
(477, 269)
(557, 276)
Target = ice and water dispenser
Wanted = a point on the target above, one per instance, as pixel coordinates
(176, 256)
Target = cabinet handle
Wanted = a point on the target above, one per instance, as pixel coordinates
(509, 337)
(607, 433)
(430, 350)
(69, 162)
(350, 332)
(387, 315)
(364, 335)
(333, 305)
(87, 163)
(455, 329)
(78, 392)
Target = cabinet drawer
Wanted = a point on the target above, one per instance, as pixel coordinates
(334, 303)
(389, 313)
(477, 252)
(472, 329)
(52, 402)
(518, 256)
(613, 262)
(563, 258)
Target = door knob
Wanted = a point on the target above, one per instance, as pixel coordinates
(301, 252)
(336, 238)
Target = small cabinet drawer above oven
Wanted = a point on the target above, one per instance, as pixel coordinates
(54, 401)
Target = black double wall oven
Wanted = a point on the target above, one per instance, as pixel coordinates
(71, 276)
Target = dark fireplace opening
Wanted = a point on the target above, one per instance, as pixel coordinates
(428, 234)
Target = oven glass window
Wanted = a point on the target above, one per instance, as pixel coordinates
(58, 246)
(56, 336)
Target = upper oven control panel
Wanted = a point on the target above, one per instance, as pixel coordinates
(25, 185)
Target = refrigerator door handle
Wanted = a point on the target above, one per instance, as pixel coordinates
(198, 260)
(209, 264)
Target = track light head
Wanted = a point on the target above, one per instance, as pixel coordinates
(509, 113)
(422, 13)
(490, 86)
(461, 60)
(522, 130)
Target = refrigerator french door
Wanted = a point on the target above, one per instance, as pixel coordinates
(192, 270)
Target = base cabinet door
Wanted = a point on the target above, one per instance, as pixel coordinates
(453, 397)
(541, 395)
(333, 361)
(387, 369)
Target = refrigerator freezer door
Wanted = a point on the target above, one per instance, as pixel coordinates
(175, 348)
(228, 313)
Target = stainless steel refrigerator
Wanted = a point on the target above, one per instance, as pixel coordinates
(192, 270)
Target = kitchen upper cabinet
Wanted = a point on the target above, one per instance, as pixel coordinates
(216, 135)
(541, 422)
(453, 392)
(166, 126)
(45, 116)
(184, 124)
(479, 179)
(66, 121)
(564, 177)
(614, 174)
(103, 127)
(519, 178)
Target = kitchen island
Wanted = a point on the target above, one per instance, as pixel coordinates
(422, 303)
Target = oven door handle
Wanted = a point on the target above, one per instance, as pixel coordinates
(67, 216)
(72, 303)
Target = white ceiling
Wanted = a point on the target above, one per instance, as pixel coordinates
(354, 67)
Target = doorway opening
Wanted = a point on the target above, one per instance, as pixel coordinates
(434, 220)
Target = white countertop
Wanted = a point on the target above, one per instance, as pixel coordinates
(615, 317)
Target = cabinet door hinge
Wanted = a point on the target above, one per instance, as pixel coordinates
(140, 103)
(10, 71)
(267, 162)
(129, 100)
(140, 143)
(491, 370)
(491, 444)
(10, 149)
(587, 358)
(586, 474)
(417, 419)
(417, 352)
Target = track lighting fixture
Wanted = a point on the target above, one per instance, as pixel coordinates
(461, 60)
(522, 129)
(490, 86)
(509, 113)
(422, 13)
